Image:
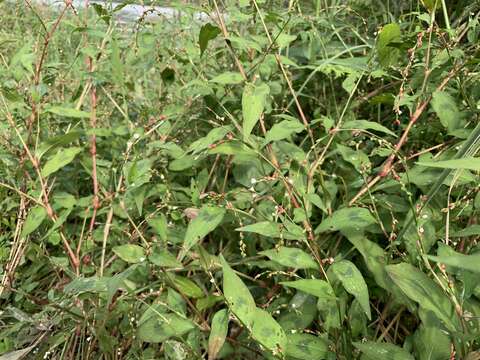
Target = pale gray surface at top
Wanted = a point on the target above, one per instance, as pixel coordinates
(130, 12)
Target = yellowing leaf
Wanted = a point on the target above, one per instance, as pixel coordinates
(218, 333)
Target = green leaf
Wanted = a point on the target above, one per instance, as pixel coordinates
(187, 287)
(207, 220)
(353, 282)
(160, 225)
(300, 313)
(56, 141)
(268, 332)
(367, 125)
(357, 158)
(237, 296)
(315, 287)
(34, 219)
(218, 333)
(430, 4)
(446, 109)
(207, 302)
(82, 285)
(253, 103)
(382, 351)
(461, 261)
(17, 354)
(306, 347)
(291, 257)
(469, 231)
(228, 78)
(387, 54)
(347, 218)
(130, 253)
(67, 112)
(375, 259)
(215, 135)
(163, 258)
(421, 289)
(156, 326)
(62, 158)
(117, 66)
(207, 32)
(272, 229)
(468, 163)
(431, 343)
(283, 130)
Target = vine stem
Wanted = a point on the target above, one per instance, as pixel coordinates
(43, 187)
(388, 164)
(290, 191)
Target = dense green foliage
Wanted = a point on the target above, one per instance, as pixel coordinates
(295, 180)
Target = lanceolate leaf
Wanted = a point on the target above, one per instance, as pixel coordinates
(353, 282)
(34, 219)
(253, 104)
(207, 32)
(367, 125)
(283, 130)
(469, 163)
(207, 220)
(306, 347)
(390, 34)
(272, 229)
(421, 289)
(447, 110)
(62, 158)
(461, 261)
(67, 112)
(315, 287)
(218, 333)
(130, 253)
(268, 332)
(347, 218)
(291, 257)
(382, 351)
(260, 323)
(187, 287)
(156, 325)
(375, 259)
(237, 296)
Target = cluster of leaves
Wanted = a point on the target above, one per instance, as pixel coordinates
(267, 180)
